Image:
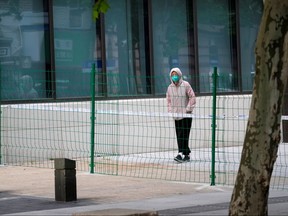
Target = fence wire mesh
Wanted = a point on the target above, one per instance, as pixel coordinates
(133, 137)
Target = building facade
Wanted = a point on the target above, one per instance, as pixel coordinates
(47, 48)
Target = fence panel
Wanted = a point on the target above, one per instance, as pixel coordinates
(35, 134)
(133, 137)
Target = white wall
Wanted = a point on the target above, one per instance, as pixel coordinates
(35, 132)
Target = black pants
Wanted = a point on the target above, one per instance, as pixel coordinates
(183, 128)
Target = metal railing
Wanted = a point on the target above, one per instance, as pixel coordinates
(133, 137)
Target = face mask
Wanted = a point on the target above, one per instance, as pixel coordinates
(175, 78)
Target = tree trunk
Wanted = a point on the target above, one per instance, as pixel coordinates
(251, 190)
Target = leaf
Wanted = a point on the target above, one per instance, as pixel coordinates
(104, 6)
(100, 6)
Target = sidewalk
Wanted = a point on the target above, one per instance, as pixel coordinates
(30, 191)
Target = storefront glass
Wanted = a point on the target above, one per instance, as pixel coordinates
(23, 26)
(74, 46)
(250, 17)
(170, 27)
(125, 48)
(217, 44)
(136, 65)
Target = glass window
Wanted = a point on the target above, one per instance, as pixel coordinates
(170, 27)
(250, 17)
(23, 26)
(74, 45)
(217, 44)
(125, 48)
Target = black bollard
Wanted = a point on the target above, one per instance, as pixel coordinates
(65, 180)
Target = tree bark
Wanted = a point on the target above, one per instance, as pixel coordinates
(251, 190)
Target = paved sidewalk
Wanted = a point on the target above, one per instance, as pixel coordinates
(30, 191)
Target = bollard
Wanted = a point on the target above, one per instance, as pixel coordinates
(65, 179)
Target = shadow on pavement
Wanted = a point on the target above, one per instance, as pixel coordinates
(14, 203)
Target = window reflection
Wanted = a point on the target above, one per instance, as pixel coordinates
(170, 41)
(22, 47)
(125, 48)
(217, 44)
(250, 16)
(27, 88)
(25, 46)
(74, 43)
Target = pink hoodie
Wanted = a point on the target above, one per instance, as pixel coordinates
(180, 97)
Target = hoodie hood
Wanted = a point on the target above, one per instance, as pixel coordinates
(178, 71)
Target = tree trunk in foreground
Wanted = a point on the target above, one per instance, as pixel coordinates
(251, 190)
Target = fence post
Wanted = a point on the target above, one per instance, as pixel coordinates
(214, 75)
(92, 117)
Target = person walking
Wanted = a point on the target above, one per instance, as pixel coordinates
(181, 100)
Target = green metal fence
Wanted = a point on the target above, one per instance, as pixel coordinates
(133, 137)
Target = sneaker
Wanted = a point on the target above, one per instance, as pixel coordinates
(178, 158)
(186, 158)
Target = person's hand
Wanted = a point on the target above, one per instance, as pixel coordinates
(188, 112)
